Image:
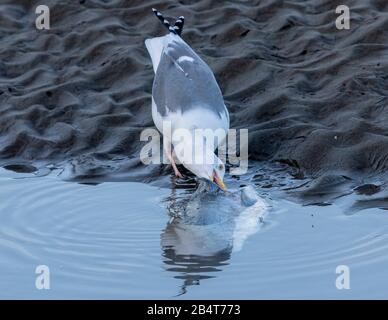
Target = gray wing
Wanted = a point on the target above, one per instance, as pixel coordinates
(184, 81)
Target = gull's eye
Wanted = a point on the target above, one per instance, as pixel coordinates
(220, 167)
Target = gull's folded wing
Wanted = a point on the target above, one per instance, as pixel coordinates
(184, 81)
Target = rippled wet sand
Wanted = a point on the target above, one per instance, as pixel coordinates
(311, 95)
(132, 240)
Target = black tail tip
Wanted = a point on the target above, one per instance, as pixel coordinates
(178, 26)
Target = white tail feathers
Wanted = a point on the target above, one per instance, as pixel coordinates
(155, 48)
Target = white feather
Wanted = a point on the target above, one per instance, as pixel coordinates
(155, 47)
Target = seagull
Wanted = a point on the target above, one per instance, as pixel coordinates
(185, 94)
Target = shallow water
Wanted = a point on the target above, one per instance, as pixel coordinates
(133, 240)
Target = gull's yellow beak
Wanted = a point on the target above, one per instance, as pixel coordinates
(219, 182)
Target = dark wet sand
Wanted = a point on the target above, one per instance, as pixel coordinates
(313, 97)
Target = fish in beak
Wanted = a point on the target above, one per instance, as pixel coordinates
(216, 179)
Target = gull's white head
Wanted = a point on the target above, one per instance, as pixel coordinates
(206, 166)
(213, 172)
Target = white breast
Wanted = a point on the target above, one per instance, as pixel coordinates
(197, 118)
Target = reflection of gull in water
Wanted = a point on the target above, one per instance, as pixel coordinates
(209, 228)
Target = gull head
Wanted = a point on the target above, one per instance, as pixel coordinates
(201, 160)
(213, 172)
